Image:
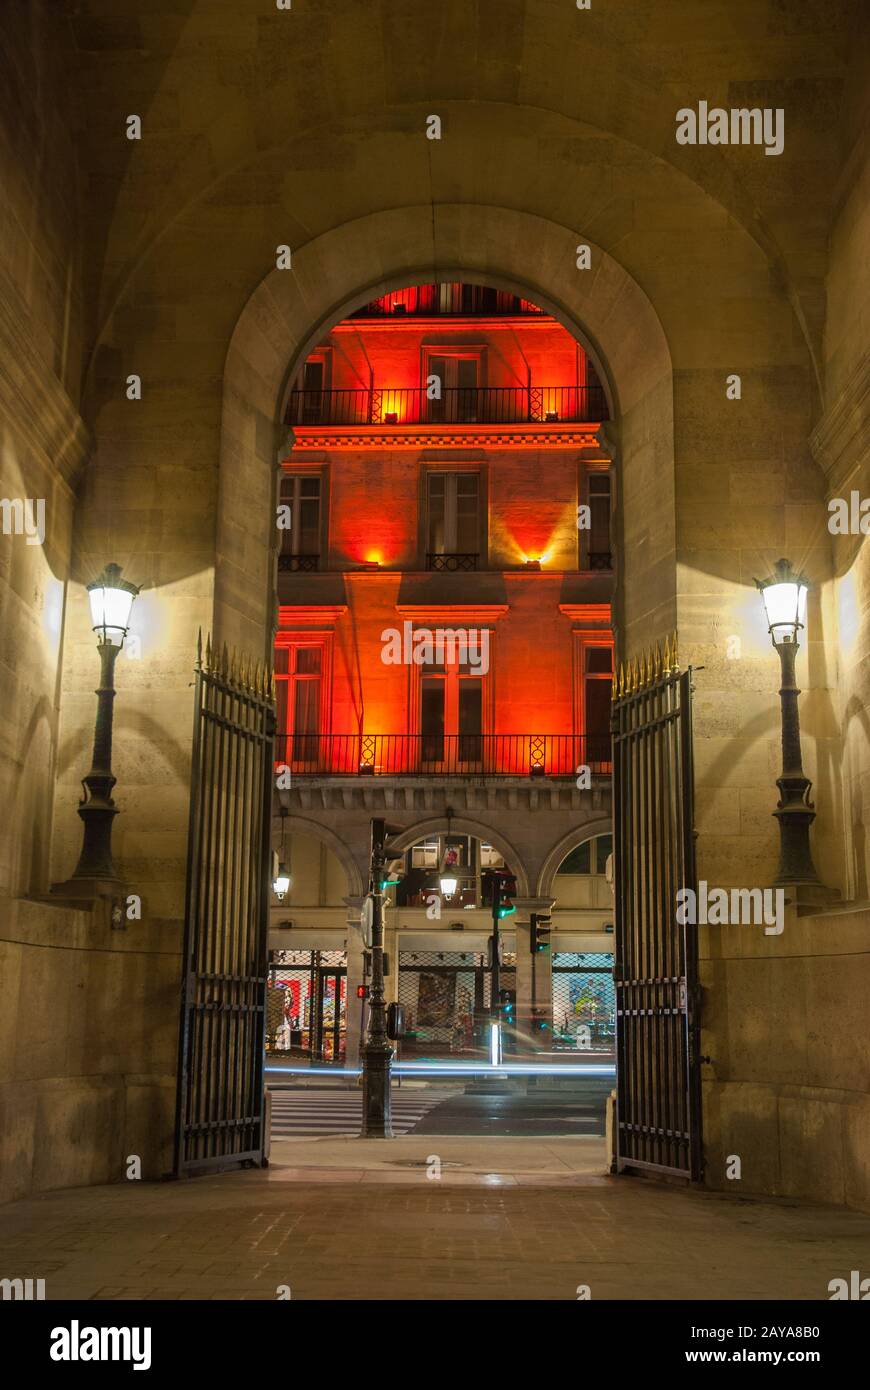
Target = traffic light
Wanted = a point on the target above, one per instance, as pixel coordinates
(539, 932)
(382, 834)
(503, 887)
(362, 991)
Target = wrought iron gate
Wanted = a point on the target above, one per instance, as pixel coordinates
(656, 967)
(219, 1116)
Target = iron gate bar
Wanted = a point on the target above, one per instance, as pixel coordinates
(656, 965)
(219, 1108)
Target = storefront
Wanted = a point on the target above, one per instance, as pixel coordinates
(584, 1001)
(446, 995)
(306, 1005)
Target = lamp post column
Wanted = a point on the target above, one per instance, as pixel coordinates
(377, 1053)
(794, 811)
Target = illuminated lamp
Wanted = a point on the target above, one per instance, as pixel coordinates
(281, 881)
(366, 769)
(111, 599)
(533, 565)
(537, 770)
(551, 417)
(391, 418)
(784, 594)
(370, 566)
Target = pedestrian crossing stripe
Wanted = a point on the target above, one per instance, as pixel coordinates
(299, 1113)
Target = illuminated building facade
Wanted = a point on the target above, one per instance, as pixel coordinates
(444, 649)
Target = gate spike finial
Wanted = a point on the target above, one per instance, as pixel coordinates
(676, 655)
(258, 678)
(208, 651)
(637, 673)
(225, 662)
(199, 649)
(666, 655)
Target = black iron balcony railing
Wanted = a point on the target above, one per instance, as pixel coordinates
(443, 755)
(457, 405)
(451, 298)
(452, 560)
(298, 564)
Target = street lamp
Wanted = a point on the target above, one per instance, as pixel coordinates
(785, 601)
(282, 879)
(111, 600)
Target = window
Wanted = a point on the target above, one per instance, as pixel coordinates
(595, 552)
(453, 516)
(300, 540)
(451, 713)
(597, 687)
(300, 671)
(588, 858)
(459, 375)
(593, 687)
(309, 402)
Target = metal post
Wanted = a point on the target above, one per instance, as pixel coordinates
(794, 810)
(377, 1054)
(495, 976)
(97, 809)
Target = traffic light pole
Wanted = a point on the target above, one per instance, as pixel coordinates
(495, 974)
(376, 1052)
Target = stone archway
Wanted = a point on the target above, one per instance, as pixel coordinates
(563, 847)
(463, 825)
(302, 825)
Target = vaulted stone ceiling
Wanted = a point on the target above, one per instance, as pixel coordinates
(262, 124)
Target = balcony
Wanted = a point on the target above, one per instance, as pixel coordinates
(298, 564)
(389, 406)
(556, 756)
(450, 299)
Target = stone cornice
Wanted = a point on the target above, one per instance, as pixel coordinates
(841, 440)
(291, 615)
(35, 405)
(520, 436)
(452, 612)
(596, 613)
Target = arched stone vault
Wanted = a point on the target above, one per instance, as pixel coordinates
(327, 153)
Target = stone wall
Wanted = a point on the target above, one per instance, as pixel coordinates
(87, 1049)
(787, 1086)
(42, 440)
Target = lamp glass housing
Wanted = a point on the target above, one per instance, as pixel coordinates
(111, 599)
(785, 603)
(448, 885)
(281, 882)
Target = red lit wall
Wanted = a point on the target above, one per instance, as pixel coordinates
(536, 620)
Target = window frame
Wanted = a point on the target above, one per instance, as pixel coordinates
(295, 472)
(447, 466)
(583, 641)
(584, 498)
(292, 641)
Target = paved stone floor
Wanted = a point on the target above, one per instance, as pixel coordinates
(509, 1222)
